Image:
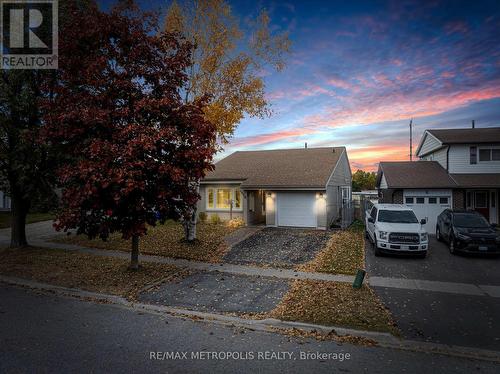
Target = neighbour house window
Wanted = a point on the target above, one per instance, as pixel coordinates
(221, 198)
(443, 200)
(409, 200)
(432, 200)
(489, 154)
(420, 200)
(473, 155)
(485, 155)
(495, 154)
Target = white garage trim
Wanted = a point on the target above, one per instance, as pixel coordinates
(296, 209)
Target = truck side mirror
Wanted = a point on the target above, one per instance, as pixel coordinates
(371, 220)
(423, 221)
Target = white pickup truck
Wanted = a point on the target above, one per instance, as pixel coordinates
(394, 228)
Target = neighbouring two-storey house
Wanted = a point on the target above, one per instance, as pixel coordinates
(457, 168)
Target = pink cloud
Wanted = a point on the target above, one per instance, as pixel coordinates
(249, 141)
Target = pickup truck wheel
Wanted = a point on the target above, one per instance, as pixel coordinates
(378, 252)
(439, 238)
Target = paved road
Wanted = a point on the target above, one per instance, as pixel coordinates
(42, 333)
(439, 317)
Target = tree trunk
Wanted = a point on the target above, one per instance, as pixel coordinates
(190, 224)
(134, 256)
(19, 211)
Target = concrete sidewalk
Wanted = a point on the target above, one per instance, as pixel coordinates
(290, 274)
(44, 230)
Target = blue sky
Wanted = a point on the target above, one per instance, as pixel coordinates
(360, 70)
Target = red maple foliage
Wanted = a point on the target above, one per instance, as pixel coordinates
(132, 146)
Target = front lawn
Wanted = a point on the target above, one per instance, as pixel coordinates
(77, 270)
(167, 240)
(343, 254)
(31, 218)
(334, 304)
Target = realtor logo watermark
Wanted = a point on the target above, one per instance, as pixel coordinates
(28, 34)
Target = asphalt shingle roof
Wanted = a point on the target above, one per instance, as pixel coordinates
(287, 168)
(462, 136)
(477, 180)
(417, 174)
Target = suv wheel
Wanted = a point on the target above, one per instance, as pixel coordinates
(439, 238)
(452, 245)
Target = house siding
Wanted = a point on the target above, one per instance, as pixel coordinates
(441, 156)
(430, 143)
(383, 182)
(459, 160)
(342, 177)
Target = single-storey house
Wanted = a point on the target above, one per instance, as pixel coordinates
(291, 187)
(457, 168)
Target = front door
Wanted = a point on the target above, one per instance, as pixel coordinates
(481, 203)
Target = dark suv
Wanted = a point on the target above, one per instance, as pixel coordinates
(467, 231)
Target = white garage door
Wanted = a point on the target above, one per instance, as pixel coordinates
(428, 206)
(296, 209)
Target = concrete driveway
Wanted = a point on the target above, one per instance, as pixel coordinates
(280, 247)
(439, 317)
(439, 265)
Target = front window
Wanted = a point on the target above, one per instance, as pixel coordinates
(211, 199)
(223, 198)
(470, 220)
(397, 216)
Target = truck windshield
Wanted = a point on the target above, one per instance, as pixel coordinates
(470, 220)
(397, 216)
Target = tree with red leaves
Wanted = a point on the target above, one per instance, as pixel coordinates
(115, 109)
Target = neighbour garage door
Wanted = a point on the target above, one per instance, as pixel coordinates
(296, 209)
(429, 205)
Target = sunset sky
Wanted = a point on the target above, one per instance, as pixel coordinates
(360, 70)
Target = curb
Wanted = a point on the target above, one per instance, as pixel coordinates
(384, 340)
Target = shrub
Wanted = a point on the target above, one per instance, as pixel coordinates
(202, 217)
(215, 219)
(235, 223)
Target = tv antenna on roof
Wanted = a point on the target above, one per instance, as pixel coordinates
(411, 140)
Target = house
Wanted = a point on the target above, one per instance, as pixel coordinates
(457, 168)
(293, 187)
(4, 202)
